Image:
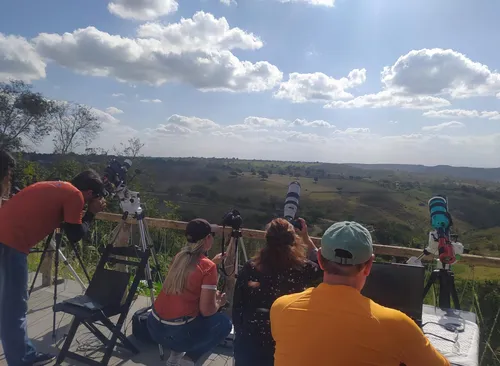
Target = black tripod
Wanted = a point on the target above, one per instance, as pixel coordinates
(236, 241)
(57, 250)
(447, 289)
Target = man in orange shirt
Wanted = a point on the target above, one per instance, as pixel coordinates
(333, 324)
(25, 220)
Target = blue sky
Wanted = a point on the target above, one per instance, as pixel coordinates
(439, 104)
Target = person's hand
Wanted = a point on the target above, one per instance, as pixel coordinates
(303, 233)
(97, 205)
(220, 298)
(219, 258)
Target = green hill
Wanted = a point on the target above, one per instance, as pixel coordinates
(392, 203)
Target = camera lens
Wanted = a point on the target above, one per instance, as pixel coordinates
(292, 201)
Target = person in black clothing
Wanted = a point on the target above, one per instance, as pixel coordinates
(280, 268)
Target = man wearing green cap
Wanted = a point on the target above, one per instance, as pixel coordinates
(333, 324)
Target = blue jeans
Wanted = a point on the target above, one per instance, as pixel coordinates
(249, 352)
(196, 338)
(17, 347)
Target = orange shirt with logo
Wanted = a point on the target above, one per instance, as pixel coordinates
(188, 303)
(36, 211)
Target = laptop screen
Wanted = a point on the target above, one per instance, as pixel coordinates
(397, 286)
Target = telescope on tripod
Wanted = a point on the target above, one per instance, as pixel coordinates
(448, 251)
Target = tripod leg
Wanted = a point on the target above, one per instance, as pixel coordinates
(56, 270)
(454, 293)
(79, 259)
(42, 257)
(153, 251)
(430, 282)
(444, 289)
(145, 246)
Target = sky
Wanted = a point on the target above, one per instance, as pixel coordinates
(341, 81)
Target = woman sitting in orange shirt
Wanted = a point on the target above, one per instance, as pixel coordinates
(185, 317)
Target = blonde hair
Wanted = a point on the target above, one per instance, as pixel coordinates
(183, 264)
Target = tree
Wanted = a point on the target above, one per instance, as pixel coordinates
(74, 125)
(131, 149)
(23, 115)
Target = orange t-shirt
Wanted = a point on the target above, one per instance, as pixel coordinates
(336, 325)
(36, 211)
(188, 303)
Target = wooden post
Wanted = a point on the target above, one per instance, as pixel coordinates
(46, 269)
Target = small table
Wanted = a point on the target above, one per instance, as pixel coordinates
(461, 348)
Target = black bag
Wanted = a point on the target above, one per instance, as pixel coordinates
(140, 325)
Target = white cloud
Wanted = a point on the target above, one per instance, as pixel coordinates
(462, 113)
(264, 122)
(228, 2)
(318, 87)
(113, 110)
(386, 99)
(327, 3)
(142, 9)
(150, 101)
(440, 72)
(393, 122)
(90, 51)
(202, 32)
(116, 95)
(175, 138)
(192, 123)
(105, 117)
(19, 60)
(316, 123)
(172, 129)
(441, 126)
(300, 137)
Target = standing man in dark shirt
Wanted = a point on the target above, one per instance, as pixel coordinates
(25, 220)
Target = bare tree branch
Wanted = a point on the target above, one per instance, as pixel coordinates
(74, 125)
(131, 149)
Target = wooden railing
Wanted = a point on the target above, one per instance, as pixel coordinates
(395, 251)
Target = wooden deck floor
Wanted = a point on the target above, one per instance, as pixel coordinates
(40, 317)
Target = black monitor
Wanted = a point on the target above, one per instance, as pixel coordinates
(397, 286)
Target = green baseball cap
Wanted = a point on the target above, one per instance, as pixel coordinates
(348, 236)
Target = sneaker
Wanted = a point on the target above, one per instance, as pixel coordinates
(43, 359)
(175, 358)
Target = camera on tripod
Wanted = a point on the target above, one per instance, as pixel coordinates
(233, 219)
(292, 204)
(115, 176)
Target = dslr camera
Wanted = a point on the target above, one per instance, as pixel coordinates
(233, 219)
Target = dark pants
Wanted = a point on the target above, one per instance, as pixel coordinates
(196, 338)
(247, 352)
(17, 347)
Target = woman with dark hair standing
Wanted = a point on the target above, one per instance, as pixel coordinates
(280, 268)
